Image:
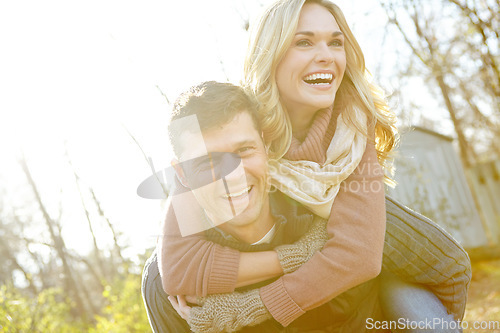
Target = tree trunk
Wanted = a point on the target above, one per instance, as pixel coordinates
(462, 141)
(69, 281)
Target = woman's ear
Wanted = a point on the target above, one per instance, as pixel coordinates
(179, 172)
(266, 146)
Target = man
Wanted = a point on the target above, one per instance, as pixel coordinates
(221, 163)
(243, 214)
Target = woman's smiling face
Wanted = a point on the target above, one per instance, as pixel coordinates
(312, 69)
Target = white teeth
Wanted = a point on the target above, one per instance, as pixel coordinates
(237, 194)
(324, 76)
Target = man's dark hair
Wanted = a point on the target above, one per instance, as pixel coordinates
(214, 104)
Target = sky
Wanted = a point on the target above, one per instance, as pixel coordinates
(77, 77)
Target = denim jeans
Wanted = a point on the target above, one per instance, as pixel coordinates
(413, 308)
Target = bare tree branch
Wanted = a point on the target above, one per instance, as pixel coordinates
(57, 241)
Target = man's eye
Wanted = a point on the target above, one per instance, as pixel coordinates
(245, 150)
(203, 165)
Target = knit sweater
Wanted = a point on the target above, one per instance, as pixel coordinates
(346, 313)
(352, 256)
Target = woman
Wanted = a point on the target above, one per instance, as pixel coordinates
(329, 123)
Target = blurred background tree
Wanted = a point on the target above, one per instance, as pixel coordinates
(449, 46)
(454, 48)
(46, 287)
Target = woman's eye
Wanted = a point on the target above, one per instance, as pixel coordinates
(303, 43)
(337, 42)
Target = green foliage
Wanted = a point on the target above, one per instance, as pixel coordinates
(49, 311)
(125, 310)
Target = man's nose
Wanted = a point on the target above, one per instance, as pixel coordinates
(237, 175)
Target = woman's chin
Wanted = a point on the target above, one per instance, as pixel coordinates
(321, 101)
(323, 104)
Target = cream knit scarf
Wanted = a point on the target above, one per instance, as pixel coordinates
(314, 184)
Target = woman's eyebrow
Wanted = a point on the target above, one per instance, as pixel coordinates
(310, 33)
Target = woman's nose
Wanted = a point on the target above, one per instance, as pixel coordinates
(324, 54)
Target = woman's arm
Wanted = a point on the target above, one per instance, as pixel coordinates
(233, 311)
(192, 265)
(351, 256)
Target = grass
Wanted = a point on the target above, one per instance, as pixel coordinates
(484, 296)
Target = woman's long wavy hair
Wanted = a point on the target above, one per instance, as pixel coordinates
(271, 37)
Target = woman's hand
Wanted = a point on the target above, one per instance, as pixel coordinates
(292, 256)
(222, 312)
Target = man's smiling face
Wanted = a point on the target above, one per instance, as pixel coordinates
(241, 197)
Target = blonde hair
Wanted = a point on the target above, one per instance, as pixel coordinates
(271, 37)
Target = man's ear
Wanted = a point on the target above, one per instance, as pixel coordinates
(179, 172)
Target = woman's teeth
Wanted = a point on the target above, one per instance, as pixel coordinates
(326, 76)
(319, 78)
(237, 194)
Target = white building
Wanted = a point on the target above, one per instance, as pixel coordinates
(431, 181)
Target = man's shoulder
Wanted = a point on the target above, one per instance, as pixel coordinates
(291, 209)
(295, 218)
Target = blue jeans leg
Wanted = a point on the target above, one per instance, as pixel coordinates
(413, 307)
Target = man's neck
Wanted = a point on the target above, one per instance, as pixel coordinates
(252, 232)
